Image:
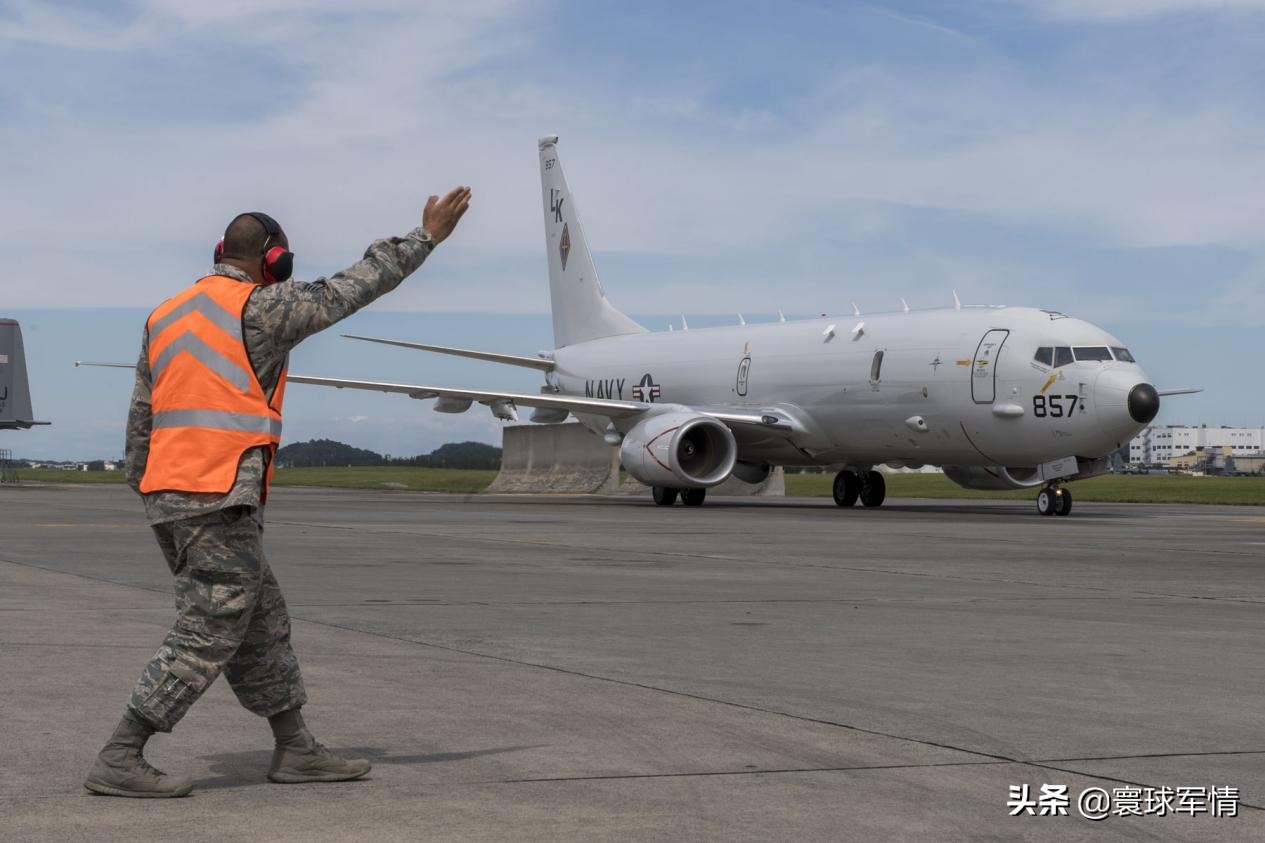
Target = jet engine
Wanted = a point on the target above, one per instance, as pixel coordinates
(679, 450)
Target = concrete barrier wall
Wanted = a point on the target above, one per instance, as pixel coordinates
(559, 458)
(571, 459)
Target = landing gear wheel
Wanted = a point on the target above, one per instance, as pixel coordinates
(693, 497)
(1063, 502)
(663, 496)
(847, 487)
(873, 488)
(1046, 501)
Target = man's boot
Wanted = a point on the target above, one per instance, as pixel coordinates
(121, 768)
(300, 758)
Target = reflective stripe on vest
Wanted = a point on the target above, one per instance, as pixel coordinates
(218, 420)
(207, 403)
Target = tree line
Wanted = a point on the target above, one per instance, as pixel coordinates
(319, 453)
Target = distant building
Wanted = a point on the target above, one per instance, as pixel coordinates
(1185, 446)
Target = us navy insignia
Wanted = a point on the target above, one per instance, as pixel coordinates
(647, 390)
(564, 245)
(608, 388)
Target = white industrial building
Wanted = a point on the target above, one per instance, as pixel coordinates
(1161, 443)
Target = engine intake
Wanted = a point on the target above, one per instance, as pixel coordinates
(679, 451)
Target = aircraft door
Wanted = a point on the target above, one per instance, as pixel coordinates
(984, 366)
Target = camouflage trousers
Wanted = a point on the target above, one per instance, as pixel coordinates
(231, 617)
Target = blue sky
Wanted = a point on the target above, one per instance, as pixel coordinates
(1101, 157)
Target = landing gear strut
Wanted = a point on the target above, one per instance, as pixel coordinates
(868, 486)
(1054, 500)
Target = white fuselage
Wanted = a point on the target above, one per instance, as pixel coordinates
(954, 387)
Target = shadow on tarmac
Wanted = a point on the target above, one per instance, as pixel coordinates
(235, 769)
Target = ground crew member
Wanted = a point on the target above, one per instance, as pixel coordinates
(203, 428)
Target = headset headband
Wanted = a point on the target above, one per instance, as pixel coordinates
(271, 228)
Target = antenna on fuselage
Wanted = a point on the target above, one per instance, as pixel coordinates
(741, 321)
(957, 302)
(856, 311)
(904, 304)
(685, 326)
(781, 317)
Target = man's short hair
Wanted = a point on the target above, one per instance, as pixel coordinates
(244, 238)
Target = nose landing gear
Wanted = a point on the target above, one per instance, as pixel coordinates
(1054, 500)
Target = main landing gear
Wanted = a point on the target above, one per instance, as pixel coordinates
(1054, 500)
(867, 486)
(663, 496)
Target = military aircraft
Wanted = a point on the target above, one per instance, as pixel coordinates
(15, 392)
(999, 397)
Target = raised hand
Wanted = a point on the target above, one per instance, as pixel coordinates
(441, 215)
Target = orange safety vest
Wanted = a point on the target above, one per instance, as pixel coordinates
(207, 403)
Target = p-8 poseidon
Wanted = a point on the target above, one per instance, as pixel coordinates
(1000, 397)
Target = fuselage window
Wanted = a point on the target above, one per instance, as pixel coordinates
(1122, 354)
(1062, 355)
(876, 367)
(1097, 353)
(1045, 355)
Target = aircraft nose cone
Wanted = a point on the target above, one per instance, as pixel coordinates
(1144, 403)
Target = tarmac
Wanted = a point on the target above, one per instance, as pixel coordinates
(569, 668)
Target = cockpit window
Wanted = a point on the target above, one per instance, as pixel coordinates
(1062, 355)
(1122, 354)
(1092, 352)
(1045, 355)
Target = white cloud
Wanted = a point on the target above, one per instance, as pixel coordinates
(399, 103)
(1114, 11)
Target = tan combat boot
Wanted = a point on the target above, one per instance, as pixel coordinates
(121, 768)
(300, 758)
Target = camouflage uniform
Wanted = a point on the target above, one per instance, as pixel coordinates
(231, 615)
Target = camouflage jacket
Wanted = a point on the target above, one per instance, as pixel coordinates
(276, 319)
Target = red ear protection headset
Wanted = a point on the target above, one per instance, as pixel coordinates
(277, 263)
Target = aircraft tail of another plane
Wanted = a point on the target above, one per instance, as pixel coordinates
(15, 391)
(581, 311)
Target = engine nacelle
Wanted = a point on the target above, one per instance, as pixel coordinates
(679, 450)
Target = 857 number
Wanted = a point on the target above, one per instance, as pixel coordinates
(1055, 406)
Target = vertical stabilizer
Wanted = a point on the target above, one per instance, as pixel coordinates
(15, 392)
(580, 309)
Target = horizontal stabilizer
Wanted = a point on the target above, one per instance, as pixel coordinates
(540, 363)
(15, 392)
